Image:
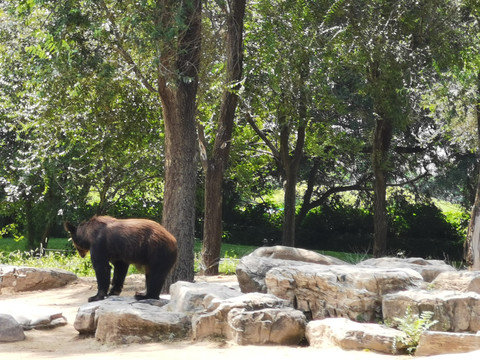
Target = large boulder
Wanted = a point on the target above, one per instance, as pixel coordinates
(458, 281)
(429, 269)
(10, 329)
(251, 269)
(351, 335)
(339, 291)
(123, 320)
(189, 297)
(296, 254)
(213, 321)
(251, 272)
(267, 326)
(19, 278)
(454, 311)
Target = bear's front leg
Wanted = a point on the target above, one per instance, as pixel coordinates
(102, 273)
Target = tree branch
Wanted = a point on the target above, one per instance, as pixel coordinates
(121, 50)
(264, 137)
(202, 144)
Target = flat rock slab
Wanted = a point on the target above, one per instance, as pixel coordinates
(339, 291)
(123, 320)
(19, 278)
(10, 329)
(32, 317)
(350, 335)
(439, 342)
(429, 269)
(455, 311)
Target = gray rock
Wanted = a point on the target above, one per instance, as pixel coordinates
(251, 271)
(10, 329)
(85, 319)
(454, 311)
(33, 317)
(429, 269)
(350, 335)
(296, 254)
(214, 320)
(439, 342)
(458, 280)
(267, 326)
(189, 297)
(339, 291)
(18, 279)
(124, 320)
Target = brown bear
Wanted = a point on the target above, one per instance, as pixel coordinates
(123, 242)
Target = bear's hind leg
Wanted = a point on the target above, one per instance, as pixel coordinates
(120, 270)
(155, 279)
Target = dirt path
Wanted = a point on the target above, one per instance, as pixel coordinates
(65, 343)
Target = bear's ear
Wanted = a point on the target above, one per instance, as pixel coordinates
(70, 228)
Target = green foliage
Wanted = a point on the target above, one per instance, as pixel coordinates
(338, 227)
(421, 229)
(413, 326)
(11, 230)
(253, 224)
(74, 263)
(64, 256)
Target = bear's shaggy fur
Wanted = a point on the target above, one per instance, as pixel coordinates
(142, 242)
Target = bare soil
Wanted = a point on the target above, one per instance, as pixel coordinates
(64, 342)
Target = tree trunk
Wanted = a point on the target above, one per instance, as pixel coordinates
(212, 227)
(381, 144)
(179, 107)
(472, 242)
(290, 197)
(290, 165)
(215, 166)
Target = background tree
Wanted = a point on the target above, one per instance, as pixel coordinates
(72, 129)
(214, 161)
(283, 50)
(159, 43)
(392, 42)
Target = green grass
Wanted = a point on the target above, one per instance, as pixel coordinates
(62, 255)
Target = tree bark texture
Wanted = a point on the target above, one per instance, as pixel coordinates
(179, 107)
(381, 144)
(290, 166)
(215, 164)
(472, 242)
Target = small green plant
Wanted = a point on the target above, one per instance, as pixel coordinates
(229, 263)
(413, 326)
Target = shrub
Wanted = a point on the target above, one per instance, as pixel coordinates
(413, 326)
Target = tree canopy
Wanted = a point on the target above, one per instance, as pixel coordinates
(193, 113)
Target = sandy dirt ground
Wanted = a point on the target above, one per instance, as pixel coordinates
(64, 342)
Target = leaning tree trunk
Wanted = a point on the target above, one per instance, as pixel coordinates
(179, 107)
(472, 242)
(215, 166)
(381, 144)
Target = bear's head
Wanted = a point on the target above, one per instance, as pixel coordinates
(73, 233)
